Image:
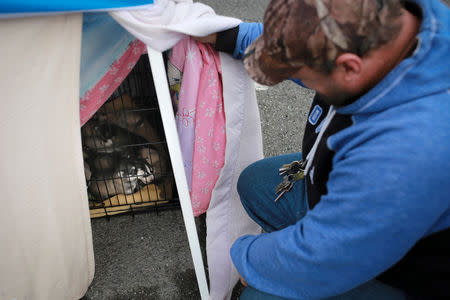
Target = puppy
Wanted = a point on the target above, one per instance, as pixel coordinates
(124, 180)
(95, 137)
(158, 161)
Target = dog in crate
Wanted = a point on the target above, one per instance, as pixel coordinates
(120, 153)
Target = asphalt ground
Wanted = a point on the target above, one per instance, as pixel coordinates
(147, 256)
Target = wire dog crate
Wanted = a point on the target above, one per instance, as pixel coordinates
(126, 159)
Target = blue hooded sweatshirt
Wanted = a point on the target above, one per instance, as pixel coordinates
(384, 191)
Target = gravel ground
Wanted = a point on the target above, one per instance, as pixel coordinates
(142, 257)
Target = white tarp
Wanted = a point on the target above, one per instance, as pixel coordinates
(46, 245)
(226, 219)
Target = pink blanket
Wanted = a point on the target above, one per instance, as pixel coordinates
(94, 98)
(200, 117)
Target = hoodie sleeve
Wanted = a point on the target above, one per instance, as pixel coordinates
(248, 32)
(237, 39)
(379, 204)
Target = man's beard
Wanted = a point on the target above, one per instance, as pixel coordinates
(338, 99)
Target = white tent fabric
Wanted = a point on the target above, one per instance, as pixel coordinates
(46, 245)
(226, 218)
(168, 21)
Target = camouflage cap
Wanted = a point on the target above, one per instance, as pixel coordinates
(314, 33)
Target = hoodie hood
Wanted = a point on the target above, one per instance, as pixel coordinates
(415, 77)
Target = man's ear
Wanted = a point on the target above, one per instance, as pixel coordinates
(350, 67)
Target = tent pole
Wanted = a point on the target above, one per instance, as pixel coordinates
(168, 119)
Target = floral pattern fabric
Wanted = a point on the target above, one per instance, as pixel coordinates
(94, 98)
(200, 116)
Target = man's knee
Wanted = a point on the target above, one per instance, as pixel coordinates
(245, 183)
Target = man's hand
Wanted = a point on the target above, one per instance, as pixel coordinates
(210, 39)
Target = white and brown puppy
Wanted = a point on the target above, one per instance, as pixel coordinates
(124, 180)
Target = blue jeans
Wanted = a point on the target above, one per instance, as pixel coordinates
(256, 187)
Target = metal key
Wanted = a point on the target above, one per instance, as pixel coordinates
(295, 167)
(285, 186)
(294, 171)
(279, 196)
(290, 168)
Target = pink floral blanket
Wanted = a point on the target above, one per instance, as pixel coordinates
(200, 116)
(94, 98)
